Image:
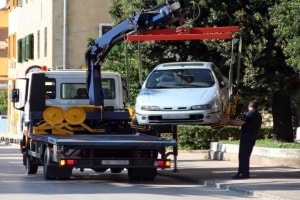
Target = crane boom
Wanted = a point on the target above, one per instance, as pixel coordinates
(148, 19)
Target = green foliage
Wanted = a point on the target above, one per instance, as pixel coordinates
(270, 44)
(116, 61)
(199, 137)
(285, 16)
(122, 9)
(269, 143)
(3, 101)
(195, 137)
(263, 66)
(153, 53)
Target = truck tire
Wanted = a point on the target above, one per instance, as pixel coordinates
(31, 166)
(52, 170)
(142, 174)
(64, 173)
(49, 170)
(116, 170)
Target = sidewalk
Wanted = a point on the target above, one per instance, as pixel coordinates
(266, 181)
(10, 138)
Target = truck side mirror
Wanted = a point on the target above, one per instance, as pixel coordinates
(15, 95)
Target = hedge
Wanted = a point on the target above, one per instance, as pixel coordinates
(192, 137)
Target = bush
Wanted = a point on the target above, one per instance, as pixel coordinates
(192, 137)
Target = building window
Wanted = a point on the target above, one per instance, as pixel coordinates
(104, 28)
(13, 4)
(20, 51)
(29, 47)
(45, 42)
(3, 42)
(20, 3)
(12, 46)
(24, 49)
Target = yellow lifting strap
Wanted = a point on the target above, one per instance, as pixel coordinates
(66, 122)
(229, 111)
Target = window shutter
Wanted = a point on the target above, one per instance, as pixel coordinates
(20, 51)
(31, 46)
(23, 49)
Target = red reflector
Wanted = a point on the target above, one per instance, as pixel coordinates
(71, 162)
(160, 163)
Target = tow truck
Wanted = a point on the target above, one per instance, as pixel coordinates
(63, 132)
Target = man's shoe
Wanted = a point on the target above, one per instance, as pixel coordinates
(241, 176)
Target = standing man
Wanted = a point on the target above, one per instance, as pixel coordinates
(250, 125)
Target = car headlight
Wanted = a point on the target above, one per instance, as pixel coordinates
(150, 108)
(202, 107)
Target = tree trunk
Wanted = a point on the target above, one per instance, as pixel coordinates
(282, 118)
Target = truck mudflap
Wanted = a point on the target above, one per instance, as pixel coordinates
(103, 141)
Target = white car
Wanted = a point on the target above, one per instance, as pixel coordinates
(182, 93)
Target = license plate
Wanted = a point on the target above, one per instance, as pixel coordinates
(115, 162)
(175, 116)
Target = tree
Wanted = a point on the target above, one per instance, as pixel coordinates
(264, 69)
(285, 16)
(116, 61)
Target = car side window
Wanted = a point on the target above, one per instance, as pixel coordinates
(218, 73)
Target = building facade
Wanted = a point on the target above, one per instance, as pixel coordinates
(51, 33)
(3, 46)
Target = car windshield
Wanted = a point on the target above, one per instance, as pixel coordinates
(180, 78)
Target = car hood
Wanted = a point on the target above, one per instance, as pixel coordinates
(176, 97)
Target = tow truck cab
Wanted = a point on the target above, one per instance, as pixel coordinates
(63, 89)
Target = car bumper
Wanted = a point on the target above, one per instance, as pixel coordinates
(177, 118)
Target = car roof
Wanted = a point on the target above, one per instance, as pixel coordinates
(176, 65)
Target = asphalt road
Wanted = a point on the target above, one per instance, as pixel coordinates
(184, 184)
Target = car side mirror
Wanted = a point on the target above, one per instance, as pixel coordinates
(222, 84)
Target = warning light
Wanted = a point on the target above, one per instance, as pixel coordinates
(44, 68)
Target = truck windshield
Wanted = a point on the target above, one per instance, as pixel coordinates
(79, 91)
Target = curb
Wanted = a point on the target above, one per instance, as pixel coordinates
(228, 187)
(8, 140)
(260, 155)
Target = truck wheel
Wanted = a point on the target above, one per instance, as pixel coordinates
(31, 167)
(142, 174)
(52, 170)
(132, 176)
(64, 173)
(49, 171)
